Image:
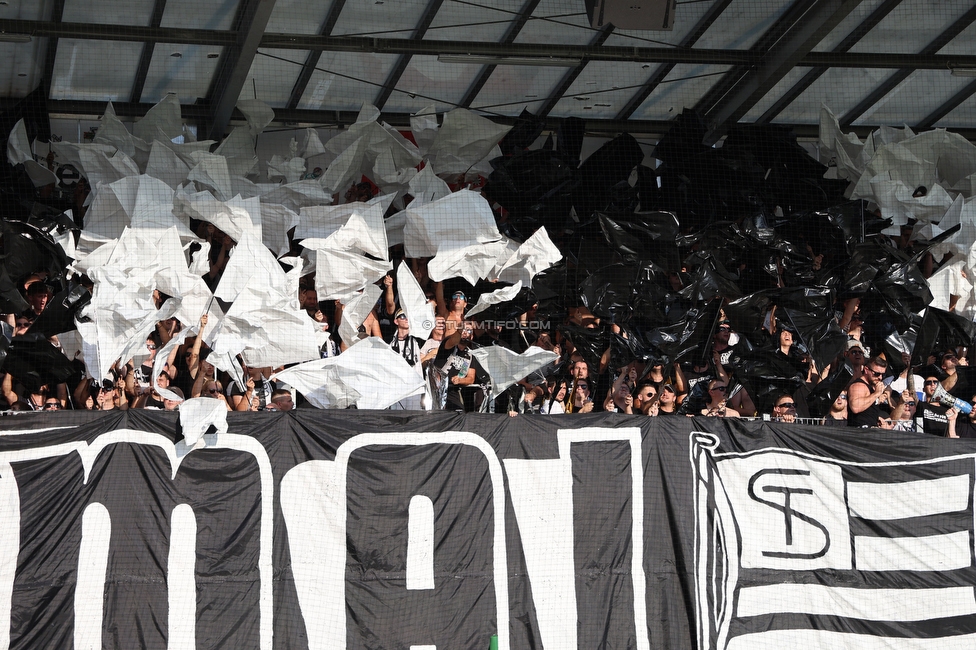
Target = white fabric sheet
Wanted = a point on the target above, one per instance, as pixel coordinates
(419, 312)
(355, 310)
(505, 367)
(369, 375)
(455, 221)
(18, 144)
(494, 298)
(535, 255)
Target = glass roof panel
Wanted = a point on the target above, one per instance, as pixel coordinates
(961, 117)
(270, 78)
(601, 90)
(463, 22)
(298, 16)
(94, 70)
(962, 44)
(22, 72)
(200, 14)
(682, 88)
(427, 81)
(188, 76)
(920, 94)
(553, 21)
(108, 12)
(846, 26)
(343, 81)
(27, 9)
(841, 89)
(510, 88)
(390, 19)
(774, 93)
(742, 23)
(910, 27)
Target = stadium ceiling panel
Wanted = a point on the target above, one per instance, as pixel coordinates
(873, 62)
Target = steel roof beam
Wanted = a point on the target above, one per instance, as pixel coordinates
(312, 60)
(766, 41)
(340, 119)
(432, 48)
(930, 120)
(664, 70)
(145, 59)
(235, 62)
(813, 74)
(892, 82)
(57, 11)
(525, 13)
(809, 31)
(567, 81)
(433, 6)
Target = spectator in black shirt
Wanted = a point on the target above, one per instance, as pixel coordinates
(931, 415)
(956, 381)
(459, 372)
(837, 416)
(961, 427)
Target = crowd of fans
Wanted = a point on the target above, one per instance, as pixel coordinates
(754, 299)
(873, 396)
(924, 399)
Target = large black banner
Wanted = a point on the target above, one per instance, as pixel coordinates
(358, 529)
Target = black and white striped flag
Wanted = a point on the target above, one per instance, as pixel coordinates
(796, 551)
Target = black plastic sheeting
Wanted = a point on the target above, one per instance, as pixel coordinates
(647, 249)
(512, 505)
(752, 223)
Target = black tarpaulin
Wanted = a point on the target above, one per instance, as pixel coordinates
(940, 331)
(765, 374)
(59, 315)
(27, 249)
(34, 361)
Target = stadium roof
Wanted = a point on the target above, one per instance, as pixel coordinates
(873, 62)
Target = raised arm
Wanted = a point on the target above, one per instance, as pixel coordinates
(860, 397)
(193, 363)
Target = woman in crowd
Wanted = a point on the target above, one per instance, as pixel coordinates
(717, 404)
(111, 396)
(555, 402)
(582, 402)
(213, 389)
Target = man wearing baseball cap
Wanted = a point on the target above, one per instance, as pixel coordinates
(452, 312)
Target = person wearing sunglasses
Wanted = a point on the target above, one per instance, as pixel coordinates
(35, 397)
(930, 414)
(837, 415)
(582, 402)
(717, 403)
(111, 395)
(452, 311)
(867, 397)
(723, 342)
(214, 390)
(138, 379)
(784, 408)
(408, 346)
(957, 380)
